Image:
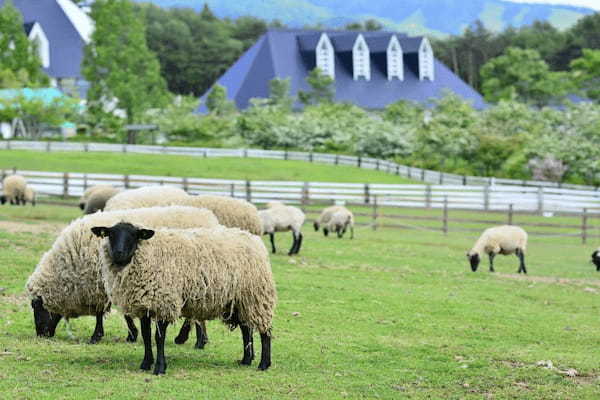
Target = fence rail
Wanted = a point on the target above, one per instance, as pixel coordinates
(424, 175)
(486, 198)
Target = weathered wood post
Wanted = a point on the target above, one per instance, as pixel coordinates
(486, 197)
(65, 185)
(232, 189)
(540, 200)
(337, 159)
(423, 175)
(445, 219)
(367, 193)
(184, 183)
(510, 214)
(464, 179)
(305, 197)
(584, 218)
(375, 215)
(126, 181)
(358, 161)
(428, 196)
(48, 146)
(248, 192)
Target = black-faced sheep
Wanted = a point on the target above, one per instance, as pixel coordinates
(148, 196)
(97, 200)
(281, 218)
(596, 259)
(203, 274)
(88, 193)
(505, 239)
(14, 187)
(335, 219)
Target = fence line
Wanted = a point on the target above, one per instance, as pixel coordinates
(424, 175)
(487, 198)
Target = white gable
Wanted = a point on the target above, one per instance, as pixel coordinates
(361, 59)
(37, 36)
(80, 20)
(426, 61)
(325, 56)
(395, 60)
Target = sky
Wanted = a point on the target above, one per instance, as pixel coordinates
(594, 4)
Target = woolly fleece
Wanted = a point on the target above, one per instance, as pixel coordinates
(281, 218)
(97, 201)
(149, 196)
(89, 191)
(233, 213)
(503, 239)
(14, 187)
(341, 218)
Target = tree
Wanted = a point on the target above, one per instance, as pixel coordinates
(586, 72)
(123, 73)
(322, 88)
(217, 102)
(18, 56)
(522, 74)
(279, 93)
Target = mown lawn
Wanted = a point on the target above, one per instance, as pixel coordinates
(167, 165)
(392, 314)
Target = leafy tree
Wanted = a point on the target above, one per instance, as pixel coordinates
(322, 88)
(586, 72)
(217, 102)
(279, 93)
(118, 64)
(19, 60)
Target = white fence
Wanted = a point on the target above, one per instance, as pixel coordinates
(424, 175)
(472, 197)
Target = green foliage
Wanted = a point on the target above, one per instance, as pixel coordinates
(217, 101)
(322, 88)
(279, 93)
(20, 65)
(118, 64)
(586, 72)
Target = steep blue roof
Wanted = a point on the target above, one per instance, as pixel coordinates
(66, 44)
(290, 54)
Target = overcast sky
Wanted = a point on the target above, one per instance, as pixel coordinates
(595, 4)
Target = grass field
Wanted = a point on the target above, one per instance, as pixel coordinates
(167, 165)
(391, 314)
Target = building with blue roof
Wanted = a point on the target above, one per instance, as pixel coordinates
(370, 69)
(61, 30)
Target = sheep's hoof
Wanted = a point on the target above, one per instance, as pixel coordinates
(264, 367)
(160, 369)
(245, 361)
(200, 345)
(95, 339)
(146, 365)
(181, 339)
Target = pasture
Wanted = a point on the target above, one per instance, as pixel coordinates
(391, 314)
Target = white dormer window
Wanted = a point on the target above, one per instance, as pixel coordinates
(426, 70)
(361, 60)
(38, 37)
(395, 60)
(324, 53)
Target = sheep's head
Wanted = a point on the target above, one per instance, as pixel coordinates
(474, 259)
(82, 206)
(2, 199)
(45, 321)
(123, 241)
(316, 225)
(596, 259)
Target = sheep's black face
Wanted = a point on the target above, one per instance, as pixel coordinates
(45, 321)
(596, 259)
(123, 241)
(474, 260)
(82, 206)
(2, 199)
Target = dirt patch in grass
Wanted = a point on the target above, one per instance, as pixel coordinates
(551, 280)
(36, 228)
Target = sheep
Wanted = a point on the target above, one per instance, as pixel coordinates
(596, 259)
(88, 193)
(204, 274)
(67, 281)
(233, 213)
(30, 195)
(14, 189)
(97, 200)
(149, 196)
(505, 239)
(343, 218)
(282, 218)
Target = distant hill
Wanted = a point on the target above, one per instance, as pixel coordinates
(439, 17)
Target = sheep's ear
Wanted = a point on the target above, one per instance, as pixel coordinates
(594, 254)
(100, 231)
(145, 234)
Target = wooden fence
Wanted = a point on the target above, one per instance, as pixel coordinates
(488, 198)
(424, 175)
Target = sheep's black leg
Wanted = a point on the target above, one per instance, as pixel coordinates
(265, 354)
(492, 255)
(147, 336)
(352, 232)
(339, 233)
(184, 332)
(293, 248)
(161, 332)
(99, 331)
(299, 243)
(248, 345)
(272, 237)
(521, 261)
(132, 332)
(54, 320)
(201, 335)
(325, 231)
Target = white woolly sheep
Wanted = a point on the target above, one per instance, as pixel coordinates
(232, 213)
(67, 281)
(282, 218)
(202, 274)
(148, 196)
(339, 224)
(88, 193)
(505, 239)
(596, 259)
(14, 189)
(97, 200)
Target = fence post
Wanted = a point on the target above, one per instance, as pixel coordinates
(126, 181)
(86, 147)
(8, 145)
(377, 164)
(184, 182)
(397, 169)
(248, 192)
(464, 180)
(486, 197)
(374, 226)
(423, 174)
(245, 153)
(85, 184)
(48, 146)
(584, 218)
(409, 172)
(367, 193)
(14, 170)
(510, 214)
(428, 196)
(65, 185)
(337, 159)
(441, 178)
(540, 200)
(232, 190)
(445, 218)
(305, 196)
(358, 161)
(310, 156)
(285, 154)
(124, 148)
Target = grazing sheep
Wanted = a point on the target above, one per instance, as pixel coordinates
(282, 218)
(88, 193)
(67, 282)
(596, 259)
(339, 224)
(149, 196)
(233, 213)
(201, 274)
(505, 239)
(30, 195)
(14, 189)
(97, 200)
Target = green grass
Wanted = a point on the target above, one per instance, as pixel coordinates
(392, 314)
(167, 165)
